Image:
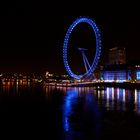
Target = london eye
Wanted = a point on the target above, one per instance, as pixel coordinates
(89, 67)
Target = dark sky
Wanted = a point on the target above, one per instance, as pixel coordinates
(32, 32)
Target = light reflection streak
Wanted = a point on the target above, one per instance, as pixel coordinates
(118, 93)
(103, 93)
(137, 101)
(113, 94)
(70, 99)
(107, 104)
(120, 98)
(89, 104)
(123, 95)
(107, 94)
(135, 96)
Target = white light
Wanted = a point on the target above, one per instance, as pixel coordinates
(135, 96)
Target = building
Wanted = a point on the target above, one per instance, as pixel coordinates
(121, 73)
(116, 73)
(117, 56)
(135, 72)
(118, 70)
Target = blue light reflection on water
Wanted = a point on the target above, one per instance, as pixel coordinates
(69, 101)
(88, 116)
(72, 113)
(116, 99)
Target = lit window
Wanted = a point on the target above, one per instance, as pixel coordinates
(138, 75)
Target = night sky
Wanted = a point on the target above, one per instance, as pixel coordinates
(32, 33)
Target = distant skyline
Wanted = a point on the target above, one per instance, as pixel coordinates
(32, 33)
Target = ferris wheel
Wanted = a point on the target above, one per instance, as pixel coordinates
(90, 68)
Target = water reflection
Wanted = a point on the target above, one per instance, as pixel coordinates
(70, 99)
(75, 111)
(137, 101)
(81, 114)
(109, 98)
(119, 99)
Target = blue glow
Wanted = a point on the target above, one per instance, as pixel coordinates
(98, 47)
(114, 76)
(71, 96)
(138, 75)
(129, 75)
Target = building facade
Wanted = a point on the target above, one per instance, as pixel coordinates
(121, 73)
(117, 56)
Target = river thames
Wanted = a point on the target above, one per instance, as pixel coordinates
(69, 113)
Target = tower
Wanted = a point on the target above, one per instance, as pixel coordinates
(117, 56)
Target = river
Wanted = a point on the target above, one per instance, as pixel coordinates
(67, 113)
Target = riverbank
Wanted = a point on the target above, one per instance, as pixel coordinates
(96, 84)
(112, 84)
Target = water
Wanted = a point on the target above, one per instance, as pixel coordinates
(36, 111)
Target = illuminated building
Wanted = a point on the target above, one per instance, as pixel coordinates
(117, 56)
(137, 72)
(117, 70)
(116, 73)
(121, 73)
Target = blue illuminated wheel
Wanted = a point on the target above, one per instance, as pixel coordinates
(93, 66)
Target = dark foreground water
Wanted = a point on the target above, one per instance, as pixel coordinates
(56, 113)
